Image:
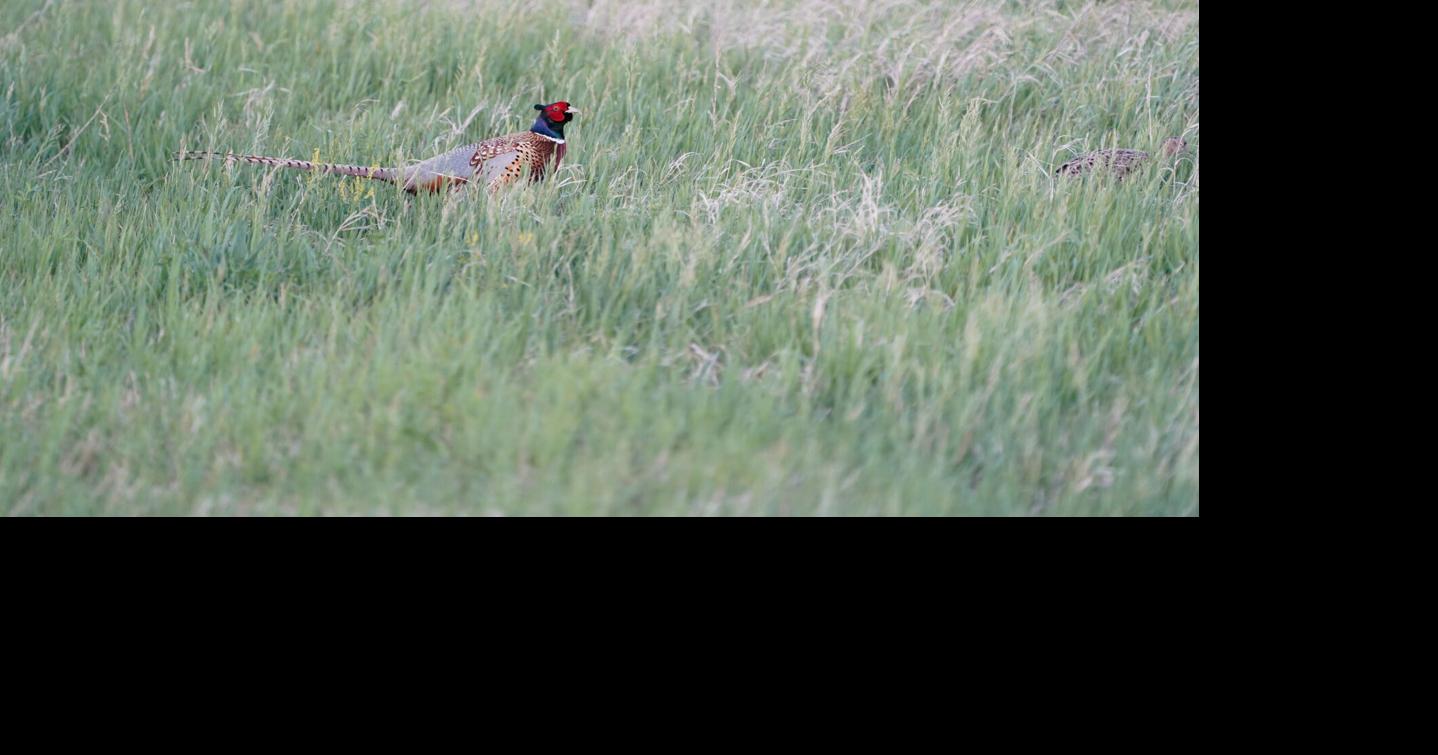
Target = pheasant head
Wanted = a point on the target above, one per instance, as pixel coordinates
(550, 125)
(552, 118)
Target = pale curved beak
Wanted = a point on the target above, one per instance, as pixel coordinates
(572, 111)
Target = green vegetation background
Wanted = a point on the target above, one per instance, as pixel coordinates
(803, 258)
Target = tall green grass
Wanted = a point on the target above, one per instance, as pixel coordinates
(803, 258)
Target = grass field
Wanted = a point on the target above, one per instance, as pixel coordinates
(802, 258)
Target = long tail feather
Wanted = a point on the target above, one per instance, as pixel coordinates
(378, 174)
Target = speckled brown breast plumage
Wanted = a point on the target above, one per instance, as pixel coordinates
(502, 160)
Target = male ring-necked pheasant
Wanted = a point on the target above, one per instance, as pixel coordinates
(1119, 162)
(494, 162)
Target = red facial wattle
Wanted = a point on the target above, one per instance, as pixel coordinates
(558, 112)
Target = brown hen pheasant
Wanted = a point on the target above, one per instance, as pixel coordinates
(1119, 162)
(493, 162)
